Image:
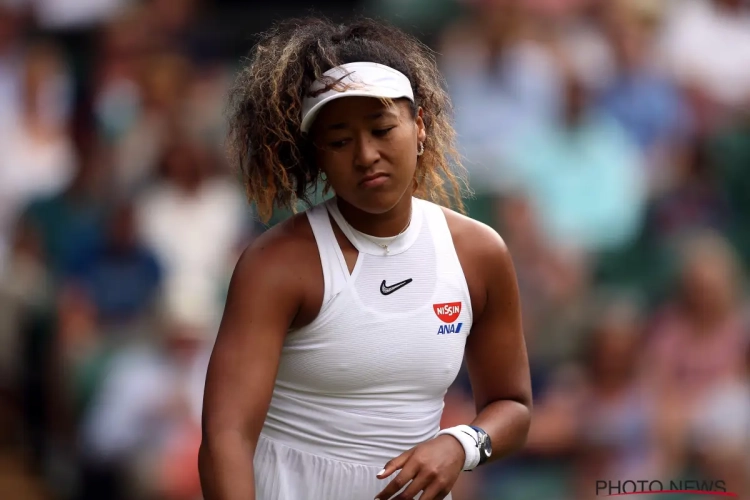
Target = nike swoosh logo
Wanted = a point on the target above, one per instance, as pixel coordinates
(387, 290)
(472, 437)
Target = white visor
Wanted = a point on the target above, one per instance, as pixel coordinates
(360, 79)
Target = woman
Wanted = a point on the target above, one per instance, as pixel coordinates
(345, 325)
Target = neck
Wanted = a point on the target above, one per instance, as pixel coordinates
(382, 225)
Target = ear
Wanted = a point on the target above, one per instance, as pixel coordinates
(419, 121)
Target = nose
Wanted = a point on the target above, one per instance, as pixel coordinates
(366, 153)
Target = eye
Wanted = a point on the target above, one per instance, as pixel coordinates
(382, 132)
(338, 144)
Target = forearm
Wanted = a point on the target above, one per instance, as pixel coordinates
(226, 468)
(507, 422)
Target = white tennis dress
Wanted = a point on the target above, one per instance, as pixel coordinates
(365, 381)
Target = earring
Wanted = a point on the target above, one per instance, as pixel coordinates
(420, 149)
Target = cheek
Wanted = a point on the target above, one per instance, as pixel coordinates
(407, 158)
(337, 166)
(408, 163)
(404, 148)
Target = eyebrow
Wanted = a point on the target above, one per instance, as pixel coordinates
(371, 116)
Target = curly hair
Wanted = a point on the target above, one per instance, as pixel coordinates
(265, 144)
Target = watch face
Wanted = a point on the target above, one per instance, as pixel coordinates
(487, 447)
(484, 443)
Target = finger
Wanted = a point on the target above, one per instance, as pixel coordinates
(397, 483)
(394, 465)
(435, 491)
(418, 484)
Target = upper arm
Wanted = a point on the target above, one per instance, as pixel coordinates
(496, 355)
(264, 296)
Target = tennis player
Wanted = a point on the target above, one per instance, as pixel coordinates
(346, 324)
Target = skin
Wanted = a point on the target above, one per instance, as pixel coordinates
(278, 284)
(362, 133)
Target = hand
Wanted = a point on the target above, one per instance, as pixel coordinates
(432, 467)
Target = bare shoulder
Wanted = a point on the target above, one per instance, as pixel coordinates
(283, 261)
(484, 257)
(287, 249)
(474, 238)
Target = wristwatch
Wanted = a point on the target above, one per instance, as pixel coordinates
(484, 444)
(475, 442)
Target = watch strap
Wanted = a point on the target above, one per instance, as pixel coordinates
(468, 438)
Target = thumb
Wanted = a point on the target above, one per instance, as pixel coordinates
(395, 464)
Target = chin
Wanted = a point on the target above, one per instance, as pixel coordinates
(375, 202)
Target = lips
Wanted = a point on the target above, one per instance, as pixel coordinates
(373, 179)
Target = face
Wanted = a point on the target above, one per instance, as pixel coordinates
(616, 351)
(368, 150)
(707, 283)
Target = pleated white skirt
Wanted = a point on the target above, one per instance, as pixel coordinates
(285, 473)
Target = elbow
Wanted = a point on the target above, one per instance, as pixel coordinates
(526, 401)
(525, 425)
(512, 419)
(525, 406)
(520, 422)
(522, 406)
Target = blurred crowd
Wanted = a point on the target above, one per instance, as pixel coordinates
(608, 142)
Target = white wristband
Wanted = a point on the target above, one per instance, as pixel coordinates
(468, 439)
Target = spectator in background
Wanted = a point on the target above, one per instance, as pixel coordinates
(145, 418)
(579, 29)
(721, 433)
(157, 117)
(617, 431)
(554, 287)
(694, 198)
(193, 218)
(502, 83)
(699, 339)
(640, 97)
(122, 46)
(584, 176)
(122, 277)
(204, 106)
(598, 414)
(38, 157)
(69, 222)
(706, 46)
